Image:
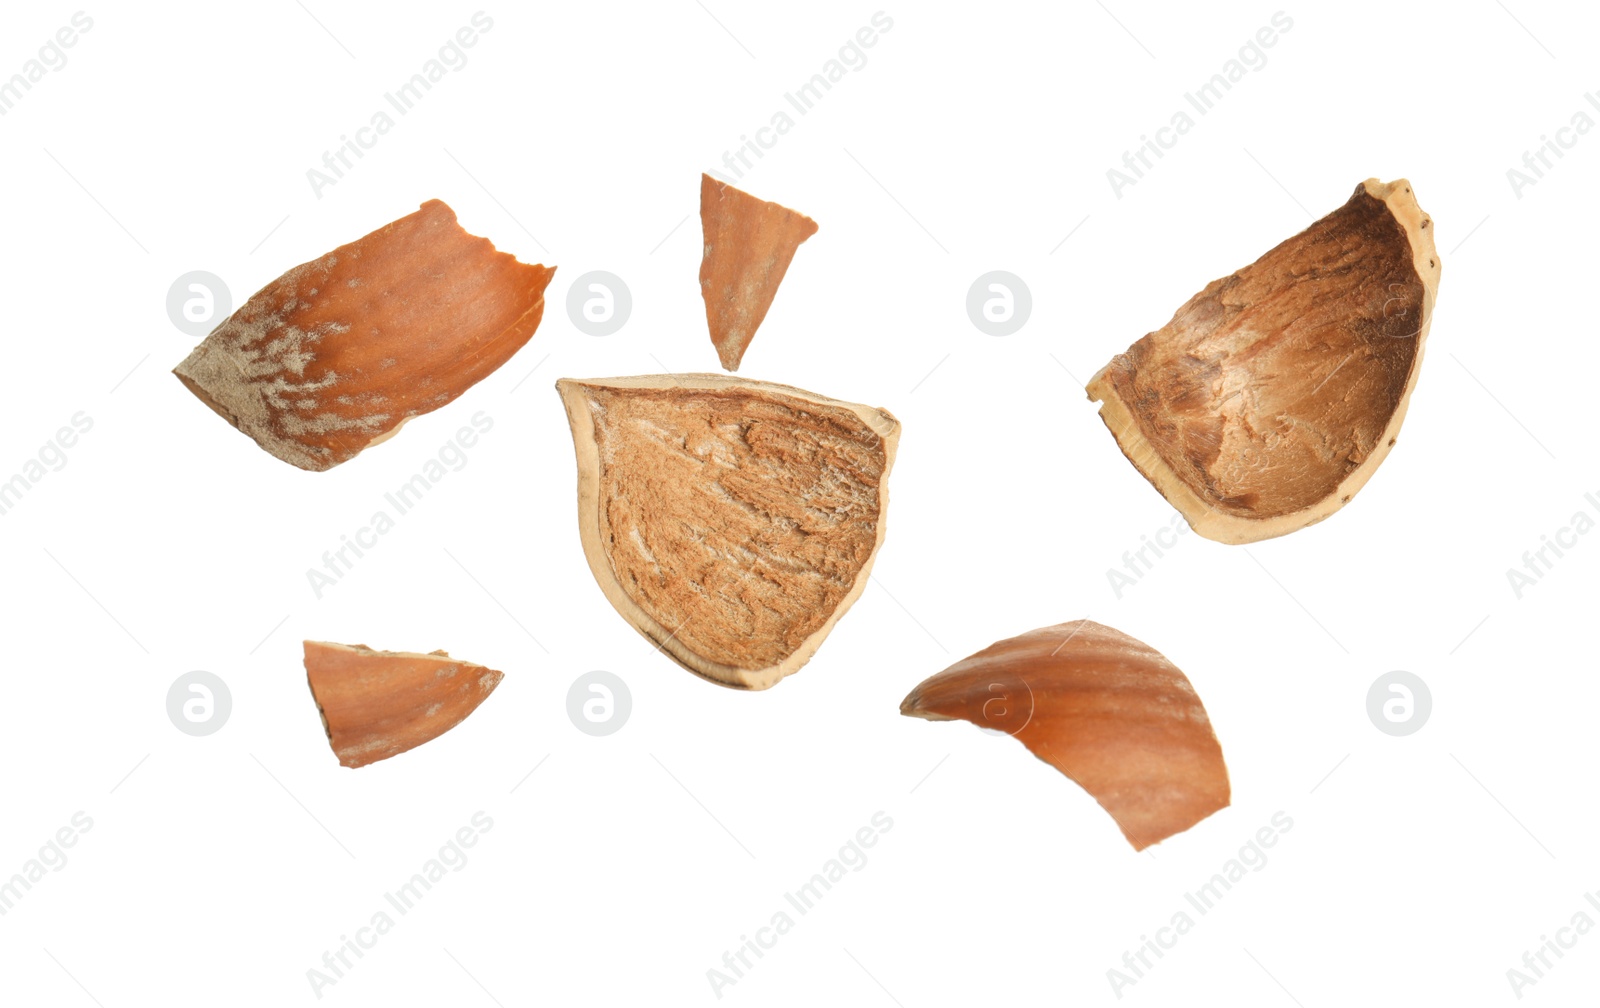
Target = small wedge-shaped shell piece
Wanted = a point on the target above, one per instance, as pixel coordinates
(1108, 711)
(377, 704)
(748, 246)
(1275, 393)
(333, 356)
(730, 522)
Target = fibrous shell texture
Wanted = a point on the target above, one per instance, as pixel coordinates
(748, 246)
(377, 704)
(333, 356)
(1274, 394)
(1109, 711)
(731, 522)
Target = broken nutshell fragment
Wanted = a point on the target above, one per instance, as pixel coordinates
(1273, 395)
(730, 522)
(377, 704)
(333, 356)
(748, 246)
(1109, 711)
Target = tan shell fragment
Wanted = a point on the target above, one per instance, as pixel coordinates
(336, 354)
(730, 522)
(1109, 711)
(1274, 394)
(377, 704)
(748, 246)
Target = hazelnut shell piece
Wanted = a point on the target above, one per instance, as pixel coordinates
(1274, 394)
(748, 246)
(731, 522)
(336, 354)
(377, 704)
(1109, 711)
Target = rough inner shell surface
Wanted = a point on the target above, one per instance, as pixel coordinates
(1269, 399)
(731, 522)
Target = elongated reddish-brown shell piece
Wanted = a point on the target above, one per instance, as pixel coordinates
(377, 704)
(748, 246)
(337, 353)
(1109, 711)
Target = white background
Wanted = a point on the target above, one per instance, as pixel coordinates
(219, 869)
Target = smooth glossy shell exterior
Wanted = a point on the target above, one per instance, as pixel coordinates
(378, 704)
(1109, 711)
(333, 356)
(748, 246)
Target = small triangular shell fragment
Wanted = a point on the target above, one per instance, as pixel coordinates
(748, 246)
(1110, 712)
(1273, 395)
(730, 522)
(336, 354)
(378, 704)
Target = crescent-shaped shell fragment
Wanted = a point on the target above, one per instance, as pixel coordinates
(1109, 711)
